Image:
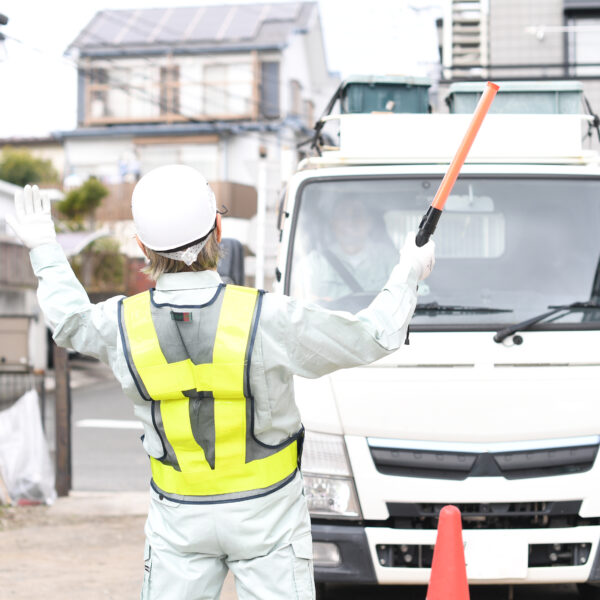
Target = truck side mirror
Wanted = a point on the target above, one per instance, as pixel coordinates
(231, 263)
(282, 213)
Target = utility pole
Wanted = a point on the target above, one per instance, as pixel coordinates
(261, 210)
(62, 395)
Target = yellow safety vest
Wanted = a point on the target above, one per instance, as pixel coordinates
(240, 464)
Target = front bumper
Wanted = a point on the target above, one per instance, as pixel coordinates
(356, 566)
(492, 556)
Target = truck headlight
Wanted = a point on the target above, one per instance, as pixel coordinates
(328, 482)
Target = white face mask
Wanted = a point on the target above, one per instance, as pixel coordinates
(188, 256)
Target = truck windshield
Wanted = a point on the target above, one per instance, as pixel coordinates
(515, 245)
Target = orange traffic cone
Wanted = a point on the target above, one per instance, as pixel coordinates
(448, 579)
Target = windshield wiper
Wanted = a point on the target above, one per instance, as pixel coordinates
(504, 333)
(434, 307)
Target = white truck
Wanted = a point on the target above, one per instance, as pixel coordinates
(494, 404)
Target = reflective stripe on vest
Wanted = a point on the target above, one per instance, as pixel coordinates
(179, 387)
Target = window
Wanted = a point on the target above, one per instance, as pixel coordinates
(140, 92)
(228, 90)
(144, 91)
(269, 90)
(510, 243)
(98, 93)
(584, 42)
(169, 90)
(123, 92)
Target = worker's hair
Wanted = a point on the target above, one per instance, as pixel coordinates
(208, 258)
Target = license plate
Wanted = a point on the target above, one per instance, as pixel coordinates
(495, 557)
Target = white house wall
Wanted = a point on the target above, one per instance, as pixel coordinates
(100, 157)
(303, 60)
(231, 159)
(97, 157)
(323, 83)
(242, 157)
(294, 67)
(204, 157)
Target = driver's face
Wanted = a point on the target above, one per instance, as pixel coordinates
(351, 226)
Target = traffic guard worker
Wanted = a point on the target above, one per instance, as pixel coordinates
(210, 369)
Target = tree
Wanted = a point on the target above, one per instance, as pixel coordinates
(101, 267)
(83, 201)
(21, 167)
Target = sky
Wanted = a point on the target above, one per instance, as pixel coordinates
(38, 83)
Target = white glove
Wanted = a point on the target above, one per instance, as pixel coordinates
(422, 259)
(32, 222)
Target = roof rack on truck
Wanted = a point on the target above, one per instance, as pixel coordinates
(376, 93)
(542, 122)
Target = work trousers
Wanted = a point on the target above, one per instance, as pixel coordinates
(265, 542)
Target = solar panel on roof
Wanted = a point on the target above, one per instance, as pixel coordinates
(141, 29)
(105, 30)
(284, 12)
(210, 23)
(193, 23)
(177, 24)
(244, 23)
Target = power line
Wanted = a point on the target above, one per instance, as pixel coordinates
(142, 94)
(112, 16)
(157, 82)
(67, 61)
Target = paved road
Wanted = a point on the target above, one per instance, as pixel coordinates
(108, 456)
(107, 450)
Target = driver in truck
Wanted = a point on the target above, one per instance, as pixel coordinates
(209, 368)
(356, 258)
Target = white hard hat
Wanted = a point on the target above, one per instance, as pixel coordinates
(172, 206)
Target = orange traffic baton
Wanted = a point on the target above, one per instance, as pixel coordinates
(432, 216)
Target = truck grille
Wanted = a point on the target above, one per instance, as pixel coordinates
(458, 465)
(513, 515)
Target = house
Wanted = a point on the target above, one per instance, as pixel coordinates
(228, 89)
(523, 40)
(23, 336)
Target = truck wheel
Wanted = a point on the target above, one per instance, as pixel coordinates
(588, 592)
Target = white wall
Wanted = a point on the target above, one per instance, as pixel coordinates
(97, 156)
(101, 156)
(304, 60)
(239, 158)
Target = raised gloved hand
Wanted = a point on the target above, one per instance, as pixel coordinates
(422, 259)
(32, 222)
